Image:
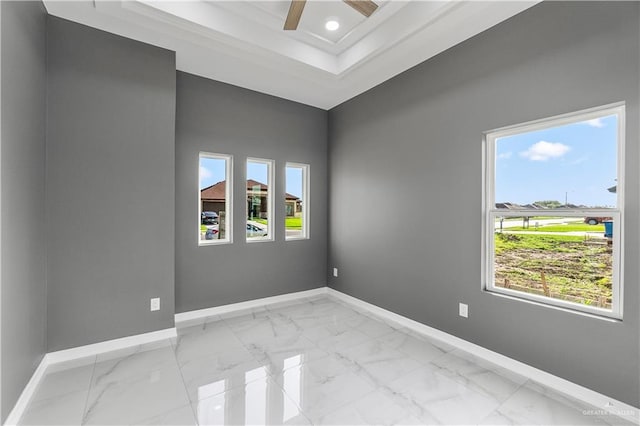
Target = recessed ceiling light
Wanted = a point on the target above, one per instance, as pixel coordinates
(332, 25)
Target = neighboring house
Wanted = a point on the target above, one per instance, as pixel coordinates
(509, 206)
(535, 206)
(293, 205)
(212, 198)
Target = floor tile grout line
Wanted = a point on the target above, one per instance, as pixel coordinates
(347, 362)
(86, 401)
(36, 399)
(284, 392)
(269, 373)
(237, 337)
(438, 370)
(496, 410)
(184, 383)
(329, 352)
(444, 353)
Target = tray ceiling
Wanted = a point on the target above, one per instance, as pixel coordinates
(243, 43)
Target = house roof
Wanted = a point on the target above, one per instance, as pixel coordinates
(534, 206)
(251, 185)
(509, 206)
(217, 191)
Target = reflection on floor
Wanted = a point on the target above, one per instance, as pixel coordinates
(315, 361)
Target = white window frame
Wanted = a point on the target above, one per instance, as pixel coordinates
(491, 213)
(305, 199)
(270, 166)
(228, 199)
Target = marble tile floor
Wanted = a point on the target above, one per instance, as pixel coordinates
(313, 361)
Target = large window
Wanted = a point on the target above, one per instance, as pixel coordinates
(214, 199)
(553, 210)
(259, 200)
(297, 201)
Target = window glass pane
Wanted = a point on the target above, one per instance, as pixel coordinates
(295, 201)
(558, 258)
(568, 166)
(214, 198)
(258, 200)
(554, 200)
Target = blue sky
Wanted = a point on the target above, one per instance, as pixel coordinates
(212, 171)
(576, 160)
(294, 181)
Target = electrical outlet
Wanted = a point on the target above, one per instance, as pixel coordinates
(155, 304)
(463, 310)
(335, 272)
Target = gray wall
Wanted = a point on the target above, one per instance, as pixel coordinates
(24, 293)
(110, 185)
(415, 141)
(220, 118)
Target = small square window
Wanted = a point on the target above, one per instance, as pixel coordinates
(297, 201)
(259, 200)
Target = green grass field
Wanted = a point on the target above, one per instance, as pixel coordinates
(569, 227)
(293, 223)
(289, 222)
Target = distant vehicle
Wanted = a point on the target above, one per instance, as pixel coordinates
(596, 220)
(209, 218)
(255, 230)
(212, 233)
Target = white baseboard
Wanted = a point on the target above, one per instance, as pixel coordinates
(75, 353)
(256, 303)
(109, 345)
(601, 402)
(21, 404)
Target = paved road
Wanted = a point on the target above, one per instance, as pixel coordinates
(532, 223)
(295, 233)
(573, 233)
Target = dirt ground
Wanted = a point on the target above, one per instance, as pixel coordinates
(574, 269)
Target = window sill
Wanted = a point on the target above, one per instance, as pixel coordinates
(608, 317)
(213, 243)
(259, 240)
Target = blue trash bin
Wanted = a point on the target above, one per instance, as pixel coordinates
(608, 228)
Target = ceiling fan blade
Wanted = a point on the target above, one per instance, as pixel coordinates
(295, 12)
(366, 7)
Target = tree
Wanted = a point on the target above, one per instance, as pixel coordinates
(550, 204)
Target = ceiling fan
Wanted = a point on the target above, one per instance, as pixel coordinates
(366, 7)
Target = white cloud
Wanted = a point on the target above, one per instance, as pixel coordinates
(543, 150)
(505, 155)
(204, 174)
(595, 122)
